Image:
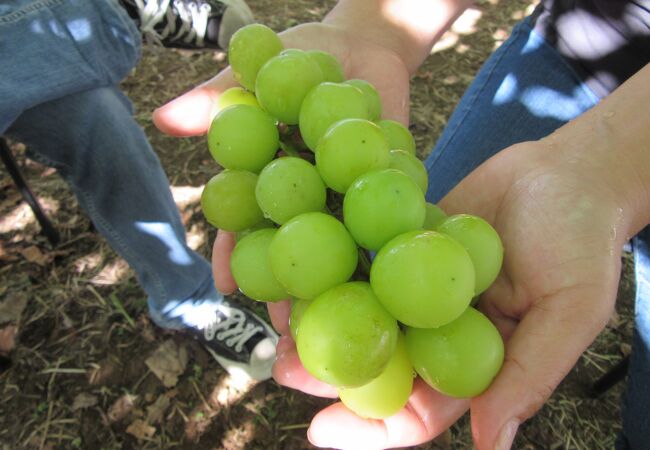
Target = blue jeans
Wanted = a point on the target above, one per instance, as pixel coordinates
(524, 91)
(60, 97)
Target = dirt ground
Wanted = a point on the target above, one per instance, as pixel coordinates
(83, 372)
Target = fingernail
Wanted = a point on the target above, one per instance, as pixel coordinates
(507, 435)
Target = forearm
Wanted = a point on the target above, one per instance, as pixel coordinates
(613, 139)
(408, 27)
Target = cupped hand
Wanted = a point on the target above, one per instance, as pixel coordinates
(563, 230)
(191, 113)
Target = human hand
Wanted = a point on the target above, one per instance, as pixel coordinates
(562, 227)
(191, 113)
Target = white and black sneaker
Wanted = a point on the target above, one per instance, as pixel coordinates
(189, 24)
(240, 341)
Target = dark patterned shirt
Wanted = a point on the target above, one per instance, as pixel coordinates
(605, 41)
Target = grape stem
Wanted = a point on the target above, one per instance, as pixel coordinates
(364, 263)
(289, 149)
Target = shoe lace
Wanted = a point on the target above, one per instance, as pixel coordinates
(193, 17)
(234, 329)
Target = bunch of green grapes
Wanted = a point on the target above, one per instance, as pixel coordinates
(314, 182)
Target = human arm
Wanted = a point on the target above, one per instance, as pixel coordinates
(409, 28)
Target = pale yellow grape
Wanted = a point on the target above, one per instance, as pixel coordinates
(411, 166)
(385, 395)
(424, 279)
(249, 49)
(398, 136)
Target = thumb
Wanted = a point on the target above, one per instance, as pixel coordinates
(542, 350)
(191, 113)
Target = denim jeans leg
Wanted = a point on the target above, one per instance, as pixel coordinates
(92, 138)
(636, 400)
(525, 91)
(53, 48)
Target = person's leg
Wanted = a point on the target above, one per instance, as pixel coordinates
(52, 48)
(59, 97)
(524, 92)
(636, 400)
(93, 140)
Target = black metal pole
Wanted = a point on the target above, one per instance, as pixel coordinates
(10, 163)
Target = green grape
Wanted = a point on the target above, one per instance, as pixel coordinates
(236, 96)
(251, 268)
(372, 97)
(388, 393)
(284, 81)
(289, 186)
(459, 359)
(411, 166)
(329, 65)
(298, 308)
(380, 205)
(249, 49)
(435, 216)
(424, 279)
(398, 136)
(243, 137)
(264, 223)
(228, 201)
(326, 104)
(311, 253)
(481, 241)
(350, 148)
(346, 337)
(292, 52)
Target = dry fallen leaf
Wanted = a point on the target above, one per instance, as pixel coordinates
(7, 339)
(141, 429)
(156, 410)
(104, 372)
(34, 255)
(121, 407)
(83, 401)
(112, 273)
(11, 309)
(168, 362)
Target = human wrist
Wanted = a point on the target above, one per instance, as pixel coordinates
(611, 142)
(408, 28)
